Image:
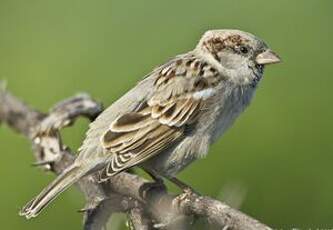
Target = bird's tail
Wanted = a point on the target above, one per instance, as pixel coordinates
(61, 183)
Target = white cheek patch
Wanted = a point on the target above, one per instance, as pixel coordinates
(204, 94)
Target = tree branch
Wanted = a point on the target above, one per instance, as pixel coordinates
(149, 207)
(139, 220)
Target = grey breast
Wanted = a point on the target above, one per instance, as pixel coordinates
(219, 114)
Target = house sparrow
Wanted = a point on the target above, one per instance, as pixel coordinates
(173, 115)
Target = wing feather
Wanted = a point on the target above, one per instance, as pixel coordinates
(178, 97)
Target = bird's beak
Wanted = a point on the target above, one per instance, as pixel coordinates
(267, 57)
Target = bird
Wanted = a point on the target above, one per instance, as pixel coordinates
(170, 117)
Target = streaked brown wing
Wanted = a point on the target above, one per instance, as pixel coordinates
(137, 146)
(176, 102)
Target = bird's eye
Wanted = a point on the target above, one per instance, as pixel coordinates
(244, 49)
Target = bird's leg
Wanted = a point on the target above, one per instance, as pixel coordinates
(183, 186)
(157, 184)
(157, 178)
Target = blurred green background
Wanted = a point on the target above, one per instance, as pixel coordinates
(278, 155)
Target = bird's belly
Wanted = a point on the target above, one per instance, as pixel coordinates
(176, 158)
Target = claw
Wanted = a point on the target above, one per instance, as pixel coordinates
(83, 210)
(41, 163)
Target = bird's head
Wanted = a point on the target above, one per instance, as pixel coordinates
(238, 51)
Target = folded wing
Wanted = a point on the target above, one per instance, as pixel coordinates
(178, 97)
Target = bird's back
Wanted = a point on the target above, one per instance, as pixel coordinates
(127, 103)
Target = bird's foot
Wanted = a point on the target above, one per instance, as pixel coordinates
(147, 188)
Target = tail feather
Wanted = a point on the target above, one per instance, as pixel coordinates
(61, 183)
